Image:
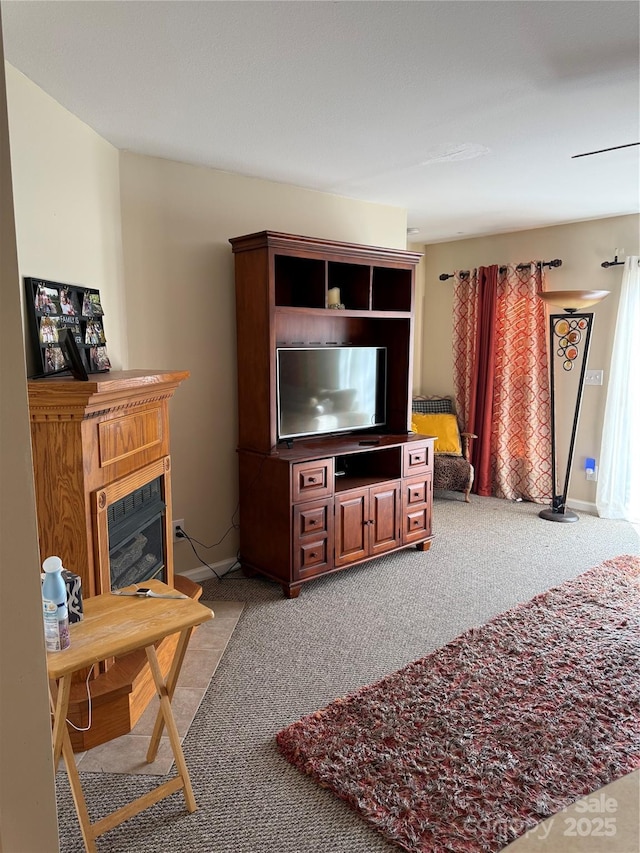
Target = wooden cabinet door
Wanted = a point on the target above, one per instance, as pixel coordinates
(351, 532)
(367, 522)
(384, 518)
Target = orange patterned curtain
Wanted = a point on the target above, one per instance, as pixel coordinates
(514, 461)
(465, 330)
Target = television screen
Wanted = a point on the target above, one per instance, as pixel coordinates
(330, 389)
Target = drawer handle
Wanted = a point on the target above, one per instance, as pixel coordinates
(416, 494)
(416, 522)
(313, 555)
(312, 479)
(312, 522)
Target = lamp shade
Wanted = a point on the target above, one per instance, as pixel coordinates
(572, 300)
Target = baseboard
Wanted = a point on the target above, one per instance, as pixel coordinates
(205, 573)
(585, 506)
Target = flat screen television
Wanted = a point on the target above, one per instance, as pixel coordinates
(330, 389)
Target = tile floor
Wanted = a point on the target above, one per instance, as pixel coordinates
(127, 754)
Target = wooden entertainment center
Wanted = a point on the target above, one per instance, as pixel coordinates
(319, 504)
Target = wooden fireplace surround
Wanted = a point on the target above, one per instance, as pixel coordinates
(93, 443)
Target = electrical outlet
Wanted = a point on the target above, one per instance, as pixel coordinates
(592, 474)
(593, 377)
(177, 522)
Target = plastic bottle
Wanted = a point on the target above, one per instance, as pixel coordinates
(54, 601)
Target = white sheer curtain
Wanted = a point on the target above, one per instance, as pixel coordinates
(618, 492)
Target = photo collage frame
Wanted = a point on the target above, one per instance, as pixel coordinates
(68, 328)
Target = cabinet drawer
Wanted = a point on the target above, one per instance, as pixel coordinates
(312, 538)
(416, 509)
(417, 524)
(418, 458)
(312, 554)
(416, 493)
(312, 480)
(311, 519)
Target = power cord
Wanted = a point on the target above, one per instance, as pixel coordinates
(88, 726)
(182, 534)
(235, 525)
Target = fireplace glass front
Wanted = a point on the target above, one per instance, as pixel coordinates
(135, 525)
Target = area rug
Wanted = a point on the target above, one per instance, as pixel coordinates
(476, 743)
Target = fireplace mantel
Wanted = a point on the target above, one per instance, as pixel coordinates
(64, 398)
(93, 443)
(85, 436)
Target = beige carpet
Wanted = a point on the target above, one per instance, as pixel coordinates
(127, 754)
(287, 658)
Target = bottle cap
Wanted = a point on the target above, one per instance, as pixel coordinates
(52, 564)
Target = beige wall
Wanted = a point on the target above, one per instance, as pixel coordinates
(72, 188)
(180, 303)
(66, 198)
(75, 196)
(27, 796)
(582, 246)
(67, 203)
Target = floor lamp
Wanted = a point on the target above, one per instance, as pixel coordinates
(569, 339)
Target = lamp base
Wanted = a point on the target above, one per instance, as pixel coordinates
(550, 514)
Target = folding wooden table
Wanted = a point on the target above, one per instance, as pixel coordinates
(115, 625)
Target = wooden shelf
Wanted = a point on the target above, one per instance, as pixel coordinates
(346, 312)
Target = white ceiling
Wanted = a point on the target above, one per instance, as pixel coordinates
(370, 100)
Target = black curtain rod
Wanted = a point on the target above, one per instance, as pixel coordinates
(465, 273)
(614, 263)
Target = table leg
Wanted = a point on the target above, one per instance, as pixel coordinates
(61, 742)
(59, 700)
(170, 723)
(172, 680)
(86, 828)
